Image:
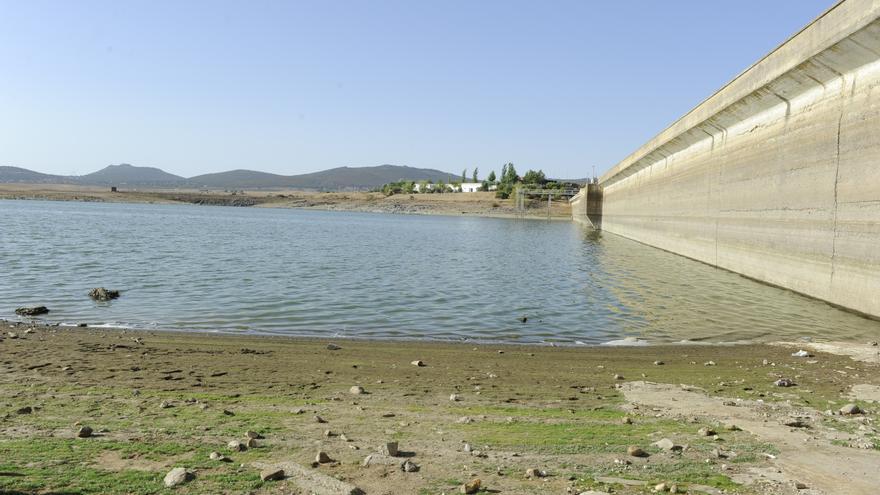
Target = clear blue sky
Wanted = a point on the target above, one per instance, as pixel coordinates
(292, 87)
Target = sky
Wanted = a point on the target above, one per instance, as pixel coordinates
(292, 87)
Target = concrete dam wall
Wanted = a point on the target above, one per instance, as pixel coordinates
(777, 175)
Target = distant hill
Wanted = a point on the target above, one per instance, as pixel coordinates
(23, 175)
(125, 174)
(335, 179)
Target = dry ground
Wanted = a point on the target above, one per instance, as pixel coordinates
(556, 409)
(468, 204)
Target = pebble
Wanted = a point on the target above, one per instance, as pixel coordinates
(177, 476)
(389, 448)
(251, 443)
(666, 444)
(850, 409)
(709, 363)
(705, 432)
(417, 363)
(322, 458)
(84, 432)
(471, 486)
(467, 448)
(164, 405)
(535, 473)
(253, 434)
(24, 410)
(319, 419)
(783, 382)
(333, 347)
(236, 446)
(356, 390)
(659, 363)
(626, 420)
(272, 474)
(454, 398)
(216, 456)
(636, 451)
(409, 467)
(618, 377)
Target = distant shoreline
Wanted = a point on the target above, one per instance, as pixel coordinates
(450, 204)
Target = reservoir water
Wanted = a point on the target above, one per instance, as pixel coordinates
(313, 273)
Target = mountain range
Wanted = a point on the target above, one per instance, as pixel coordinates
(334, 179)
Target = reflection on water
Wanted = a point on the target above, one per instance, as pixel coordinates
(303, 272)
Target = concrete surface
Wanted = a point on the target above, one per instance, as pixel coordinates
(777, 175)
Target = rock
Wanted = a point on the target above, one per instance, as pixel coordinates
(850, 409)
(389, 448)
(709, 363)
(705, 432)
(636, 451)
(464, 420)
(467, 448)
(471, 486)
(380, 460)
(319, 419)
(800, 486)
(661, 487)
(535, 473)
(84, 432)
(165, 405)
(801, 353)
(253, 434)
(523, 318)
(732, 427)
(333, 347)
(783, 382)
(322, 458)
(272, 474)
(32, 311)
(618, 377)
(236, 446)
(454, 398)
(659, 363)
(667, 445)
(417, 363)
(178, 476)
(626, 420)
(356, 390)
(102, 294)
(216, 456)
(309, 480)
(796, 423)
(24, 410)
(227, 412)
(409, 467)
(251, 443)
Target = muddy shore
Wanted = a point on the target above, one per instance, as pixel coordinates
(160, 400)
(452, 204)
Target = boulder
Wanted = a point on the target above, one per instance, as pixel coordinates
(850, 409)
(178, 476)
(272, 474)
(32, 311)
(102, 294)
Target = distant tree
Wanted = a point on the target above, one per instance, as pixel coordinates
(509, 176)
(503, 173)
(485, 186)
(532, 177)
(492, 177)
(464, 175)
(475, 176)
(423, 186)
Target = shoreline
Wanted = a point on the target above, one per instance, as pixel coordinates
(451, 204)
(159, 399)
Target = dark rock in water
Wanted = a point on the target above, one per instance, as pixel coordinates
(523, 318)
(102, 294)
(32, 311)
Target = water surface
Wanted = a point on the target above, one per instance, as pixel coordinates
(303, 272)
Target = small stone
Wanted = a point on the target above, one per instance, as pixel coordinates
(626, 420)
(84, 432)
(636, 451)
(523, 318)
(272, 474)
(454, 398)
(417, 363)
(851, 409)
(709, 363)
(535, 473)
(659, 363)
(356, 390)
(319, 419)
(618, 377)
(467, 448)
(389, 448)
(165, 405)
(705, 432)
(102, 294)
(333, 347)
(666, 444)
(251, 443)
(464, 420)
(253, 434)
(177, 476)
(661, 487)
(322, 458)
(471, 486)
(409, 467)
(801, 353)
(732, 427)
(216, 456)
(783, 382)
(800, 486)
(236, 446)
(24, 410)
(227, 412)
(32, 311)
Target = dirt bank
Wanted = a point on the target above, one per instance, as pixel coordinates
(161, 400)
(455, 204)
